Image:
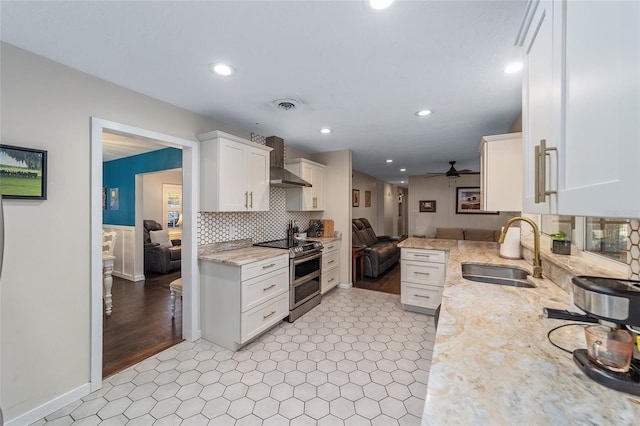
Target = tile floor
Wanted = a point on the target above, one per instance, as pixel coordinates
(358, 358)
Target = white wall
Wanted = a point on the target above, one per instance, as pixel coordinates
(390, 211)
(364, 183)
(337, 181)
(152, 192)
(383, 213)
(443, 190)
(45, 311)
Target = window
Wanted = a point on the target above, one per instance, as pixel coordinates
(606, 237)
(602, 236)
(172, 206)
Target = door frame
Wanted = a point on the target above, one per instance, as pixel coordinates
(190, 279)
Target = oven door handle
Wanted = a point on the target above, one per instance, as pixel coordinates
(306, 259)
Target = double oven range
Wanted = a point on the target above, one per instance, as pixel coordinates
(305, 264)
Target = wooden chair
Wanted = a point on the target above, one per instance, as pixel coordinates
(176, 288)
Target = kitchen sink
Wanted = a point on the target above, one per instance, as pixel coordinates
(494, 274)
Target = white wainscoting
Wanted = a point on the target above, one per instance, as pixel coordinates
(125, 253)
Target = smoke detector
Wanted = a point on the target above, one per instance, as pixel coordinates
(287, 104)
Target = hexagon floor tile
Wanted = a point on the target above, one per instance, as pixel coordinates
(338, 364)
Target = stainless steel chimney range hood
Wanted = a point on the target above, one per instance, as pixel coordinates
(280, 176)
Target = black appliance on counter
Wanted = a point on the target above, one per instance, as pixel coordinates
(305, 264)
(615, 303)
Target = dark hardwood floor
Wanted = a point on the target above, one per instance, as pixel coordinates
(388, 282)
(141, 323)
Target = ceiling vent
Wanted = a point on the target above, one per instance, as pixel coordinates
(286, 104)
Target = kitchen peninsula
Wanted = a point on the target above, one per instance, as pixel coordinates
(492, 362)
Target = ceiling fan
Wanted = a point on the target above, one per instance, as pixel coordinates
(452, 172)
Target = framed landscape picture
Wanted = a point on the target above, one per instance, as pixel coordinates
(428, 206)
(367, 198)
(468, 201)
(23, 173)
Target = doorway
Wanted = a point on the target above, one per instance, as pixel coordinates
(142, 323)
(190, 293)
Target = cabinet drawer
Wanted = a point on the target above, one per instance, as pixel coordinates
(330, 247)
(424, 296)
(260, 289)
(422, 272)
(329, 279)
(330, 260)
(436, 256)
(262, 317)
(262, 267)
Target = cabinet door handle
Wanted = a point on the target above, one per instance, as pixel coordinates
(420, 295)
(268, 287)
(315, 202)
(332, 279)
(268, 315)
(422, 255)
(246, 200)
(541, 153)
(251, 195)
(422, 273)
(536, 174)
(330, 247)
(331, 261)
(268, 266)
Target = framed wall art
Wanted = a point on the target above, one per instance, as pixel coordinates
(468, 201)
(367, 198)
(356, 198)
(23, 173)
(427, 206)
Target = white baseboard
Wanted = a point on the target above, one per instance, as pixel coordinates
(127, 277)
(50, 407)
(347, 285)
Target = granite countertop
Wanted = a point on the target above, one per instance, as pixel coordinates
(492, 362)
(240, 252)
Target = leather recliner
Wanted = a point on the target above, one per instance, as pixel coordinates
(381, 252)
(158, 259)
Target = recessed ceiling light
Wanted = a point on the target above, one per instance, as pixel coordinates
(423, 113)
(325, 130)
(403, 170)
(401, 181)
(389, 161)
(511, 68)
(221, 69)
(380, 4)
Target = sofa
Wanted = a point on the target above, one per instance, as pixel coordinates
(161, 255)
(470, 234)
(380, 253)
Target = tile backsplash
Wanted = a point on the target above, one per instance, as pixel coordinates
(633, 249)
(259, 226)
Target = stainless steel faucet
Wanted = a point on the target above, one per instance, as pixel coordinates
(537, 264)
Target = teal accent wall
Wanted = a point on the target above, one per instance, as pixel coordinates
(122, 173)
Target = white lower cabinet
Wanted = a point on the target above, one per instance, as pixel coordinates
(330, 275)
(239, 303)
(422, 278)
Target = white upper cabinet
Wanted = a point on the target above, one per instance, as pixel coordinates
(581, 91)
(305, 198)
(539, 120)
(600, 147)
(234, 174)
(501, 172)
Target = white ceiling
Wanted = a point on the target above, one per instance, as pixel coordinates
(363, 73)
(116, 146)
